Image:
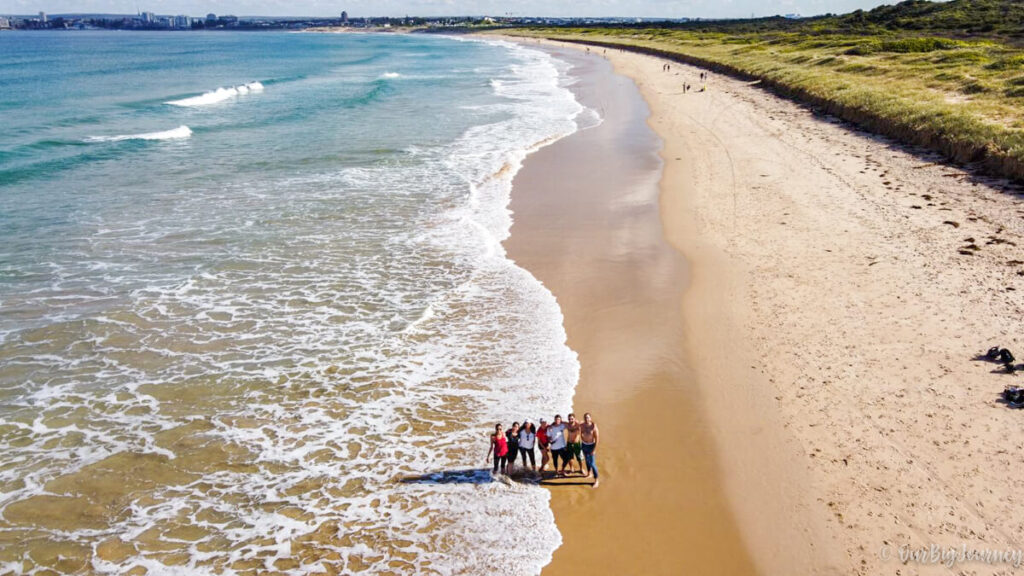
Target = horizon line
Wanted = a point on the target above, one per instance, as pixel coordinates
(350, 16)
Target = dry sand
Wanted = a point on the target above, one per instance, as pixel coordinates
(841, 288)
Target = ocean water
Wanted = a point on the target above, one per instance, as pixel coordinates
(255, 314)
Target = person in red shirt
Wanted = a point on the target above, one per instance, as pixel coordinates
(542, 441)
(499, 447)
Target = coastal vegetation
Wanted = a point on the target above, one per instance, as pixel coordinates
(948, 76)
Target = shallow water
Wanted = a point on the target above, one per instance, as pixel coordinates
(233, 320)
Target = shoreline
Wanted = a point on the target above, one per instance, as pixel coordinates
(843, 286)
(586, 224)
(962, 145)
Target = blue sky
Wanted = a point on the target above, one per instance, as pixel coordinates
(647, 8)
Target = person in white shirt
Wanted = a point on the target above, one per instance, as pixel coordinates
(527, 439)
(556, 437)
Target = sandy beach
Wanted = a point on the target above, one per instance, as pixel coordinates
(587, 225)
(800, 382)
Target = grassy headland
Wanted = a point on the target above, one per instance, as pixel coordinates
(947, 76)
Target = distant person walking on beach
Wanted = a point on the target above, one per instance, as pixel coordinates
(527, 438)
(499, 447)
(542, 441)
(556, 436)
(588, 433)
(512, 438)
(573, 450)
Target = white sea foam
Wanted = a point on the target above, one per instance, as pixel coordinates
(179, 133)
(390, 75)
(218, 95)
(589, 118)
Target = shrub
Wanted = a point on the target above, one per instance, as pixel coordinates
(974, 88)
(962, 56)
(1008, 63)
(906, 45)
(910, 45)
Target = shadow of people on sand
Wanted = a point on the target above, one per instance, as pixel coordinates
(568, 481)
(467, 476)
(484, 476)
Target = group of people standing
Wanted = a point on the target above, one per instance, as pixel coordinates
(686, 87)
(568, 442)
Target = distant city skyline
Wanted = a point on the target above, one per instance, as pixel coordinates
(359, 8)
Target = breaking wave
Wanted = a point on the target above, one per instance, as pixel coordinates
(179, 133)
(219, 95)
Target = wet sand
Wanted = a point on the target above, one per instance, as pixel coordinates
(587, 225)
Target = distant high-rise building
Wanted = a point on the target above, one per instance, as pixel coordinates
(182, 22)
(344, 17)
(42, 17)
(5, 23)
(148, 17)
(211, 17)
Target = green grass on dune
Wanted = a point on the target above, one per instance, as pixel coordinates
(962, 96)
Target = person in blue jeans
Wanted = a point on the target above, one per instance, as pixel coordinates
(589, 437)
(556, 437)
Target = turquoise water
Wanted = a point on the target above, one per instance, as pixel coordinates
(249, 283)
